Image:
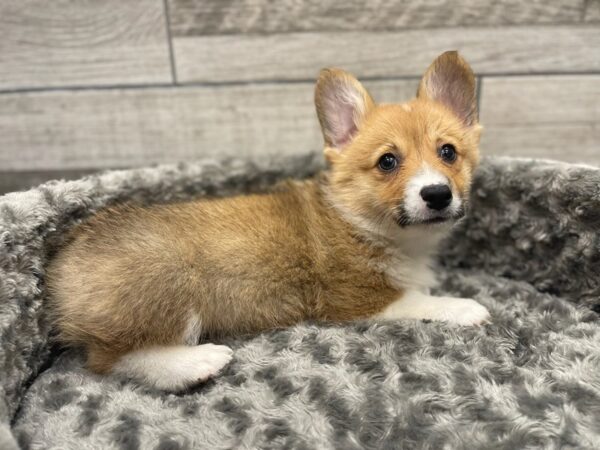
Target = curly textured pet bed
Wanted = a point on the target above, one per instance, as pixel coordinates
(529, 251)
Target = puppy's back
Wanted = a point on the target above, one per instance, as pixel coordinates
(132, 276)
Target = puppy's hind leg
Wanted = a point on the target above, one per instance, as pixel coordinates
(173, 368)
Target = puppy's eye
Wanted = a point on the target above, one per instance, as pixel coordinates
(448, 153)
(388, 162)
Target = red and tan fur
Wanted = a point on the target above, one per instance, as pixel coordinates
(138, 287)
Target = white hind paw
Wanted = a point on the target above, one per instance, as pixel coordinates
(209, 359)
(174, 368)
(463, 311)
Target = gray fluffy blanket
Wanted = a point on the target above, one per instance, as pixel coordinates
(529, 251)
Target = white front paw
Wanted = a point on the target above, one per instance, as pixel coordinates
(416, 305)
(461, 311)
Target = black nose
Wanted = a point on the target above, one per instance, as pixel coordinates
(437, 196)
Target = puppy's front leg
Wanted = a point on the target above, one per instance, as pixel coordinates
(417, 305)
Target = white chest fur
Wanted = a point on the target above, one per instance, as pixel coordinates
(408, 267)
(408, 261)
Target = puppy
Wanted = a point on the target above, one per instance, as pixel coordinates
(140, 287)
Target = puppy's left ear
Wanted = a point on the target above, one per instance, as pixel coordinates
(450, 81)
(342, 105)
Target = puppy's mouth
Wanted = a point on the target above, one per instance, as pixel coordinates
(404, 219)
(437, 220)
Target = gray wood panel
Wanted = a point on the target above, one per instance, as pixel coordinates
(299, 56)
(74, 43)
(123, 128)
(548, 117)
(592, 11)
(571, 142)
(551, 99)
(206, 17)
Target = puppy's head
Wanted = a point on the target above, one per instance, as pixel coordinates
(401, 164)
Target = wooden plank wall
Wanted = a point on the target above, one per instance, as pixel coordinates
(88, 85)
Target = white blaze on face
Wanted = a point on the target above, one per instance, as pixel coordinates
(415, 206)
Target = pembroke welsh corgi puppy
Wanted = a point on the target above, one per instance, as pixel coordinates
(141, 287)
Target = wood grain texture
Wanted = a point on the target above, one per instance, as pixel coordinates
(209, 17)
(124, 128)
(83, 42)
(549, 99)
(576, 143)
(592, 11)
(548, 117)
(299, 56)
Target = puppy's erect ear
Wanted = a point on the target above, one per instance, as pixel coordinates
(450, 81)
(342, 105)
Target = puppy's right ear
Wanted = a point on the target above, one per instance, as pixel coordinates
(342, 105)
(450, 81)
